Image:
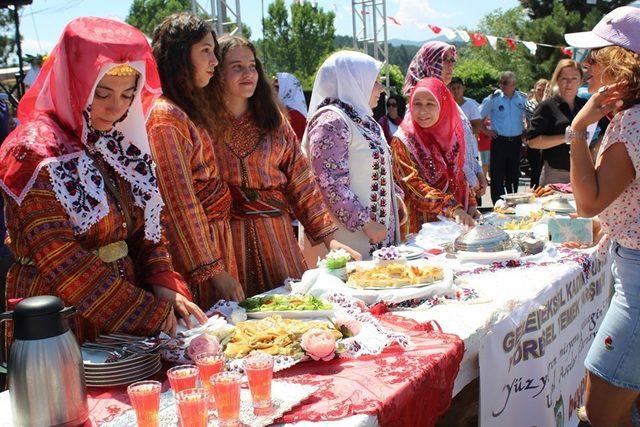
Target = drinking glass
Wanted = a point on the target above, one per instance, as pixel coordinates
(182, 377)
(259, 369)
(226, 387)
(145, 400)
(193, 407)
(208, 365)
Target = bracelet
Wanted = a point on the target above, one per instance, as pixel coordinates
(570, 135)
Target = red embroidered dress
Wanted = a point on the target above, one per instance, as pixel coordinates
(59, 210)
(197, 200)
(271, 182)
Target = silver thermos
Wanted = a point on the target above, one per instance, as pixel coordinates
(45, 371)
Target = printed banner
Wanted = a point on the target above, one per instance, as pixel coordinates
(532, 362)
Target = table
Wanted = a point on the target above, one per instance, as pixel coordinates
(502, 289)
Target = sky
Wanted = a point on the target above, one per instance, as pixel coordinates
(43, 21)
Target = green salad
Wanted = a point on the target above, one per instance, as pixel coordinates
(285, 303)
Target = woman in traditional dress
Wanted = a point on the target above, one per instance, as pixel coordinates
(438, 59)
(270, 179)
(428, 155)
(350, 155)
(396, 108)
(197, 200)
(80, 189)
(291, 95)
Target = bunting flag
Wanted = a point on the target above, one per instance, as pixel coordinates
(493, 41)
(567, 51)
(478, 39)
(531, 46)
(463, 35)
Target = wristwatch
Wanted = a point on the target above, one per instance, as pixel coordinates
(570, 135)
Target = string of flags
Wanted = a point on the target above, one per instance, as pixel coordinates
(479, 39)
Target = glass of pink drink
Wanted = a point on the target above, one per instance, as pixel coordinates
(259, 369)
(226, 387)
(193, 406)
(182, 377)
(209, 364)
(145, 400)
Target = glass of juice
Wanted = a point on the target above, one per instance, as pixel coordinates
(145, 400)
(193, 406)
(259, 369)
(182, 377)
(209, 364)
(226, 387)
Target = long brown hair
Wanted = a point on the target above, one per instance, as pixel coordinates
(621, 65)
(262, 104)
(172, 41)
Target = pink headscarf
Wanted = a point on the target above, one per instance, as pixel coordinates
(427, 62)
(446, 135)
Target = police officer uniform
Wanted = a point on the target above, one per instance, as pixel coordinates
(507, 120)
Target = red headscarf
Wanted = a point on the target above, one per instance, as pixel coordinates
(54, 112)
(444, 139)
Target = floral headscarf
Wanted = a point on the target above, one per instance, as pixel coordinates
(427, 62)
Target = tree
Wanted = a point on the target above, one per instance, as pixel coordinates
(7, 38)
(300, 42)
(396, 78)
(147, 14)
(540, 8)
(479, 76)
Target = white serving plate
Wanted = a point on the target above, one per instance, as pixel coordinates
(122, 371)
(291, 314)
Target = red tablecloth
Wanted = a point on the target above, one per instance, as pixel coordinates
(402, 387)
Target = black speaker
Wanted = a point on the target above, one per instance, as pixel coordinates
(15, 3)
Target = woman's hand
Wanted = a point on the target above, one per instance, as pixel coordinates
(463, 218)
(601, 103)
(170, 325)
(375, 231)
(181, 305)
(402, 211)
(482, 184)
(227, 287)
(332, 243)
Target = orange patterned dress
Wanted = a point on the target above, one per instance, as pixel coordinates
(197, 200)
(53, 260)
(271, 182)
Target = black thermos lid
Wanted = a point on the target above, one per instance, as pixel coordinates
(40, 317)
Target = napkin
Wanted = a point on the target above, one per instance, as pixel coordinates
(487, 257)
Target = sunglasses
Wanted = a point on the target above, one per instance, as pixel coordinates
(449, 59)
(392, 104)
(504, 83)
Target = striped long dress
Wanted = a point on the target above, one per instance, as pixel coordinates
(271, 182)
(197, 200)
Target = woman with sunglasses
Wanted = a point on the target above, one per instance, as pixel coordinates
(611, 190)
(396, 107)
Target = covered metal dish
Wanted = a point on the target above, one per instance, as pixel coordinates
(559, 205)
(483, 238)
(512, 199)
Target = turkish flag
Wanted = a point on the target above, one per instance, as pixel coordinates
(478, 39)
(567, 51)
(512, 44)
(394, 20)
(435, 29)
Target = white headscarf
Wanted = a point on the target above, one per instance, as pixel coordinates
(348, 76)
(290, 93)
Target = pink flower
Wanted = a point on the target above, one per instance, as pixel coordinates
(319, 344)
(348, 327)
(203, 344)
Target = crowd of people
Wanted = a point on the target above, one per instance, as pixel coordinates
(144, 183)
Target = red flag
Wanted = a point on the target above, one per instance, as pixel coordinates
(512, 44)
(394, 20)
(435, 28)
(567, 51)
(478, 39)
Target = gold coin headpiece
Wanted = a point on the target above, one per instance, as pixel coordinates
(122, 70)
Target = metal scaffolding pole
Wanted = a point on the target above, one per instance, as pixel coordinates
(369, 19)
(223, 14)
